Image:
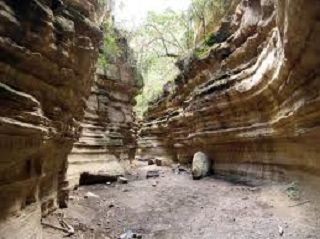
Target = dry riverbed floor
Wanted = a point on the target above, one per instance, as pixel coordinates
(173, 206)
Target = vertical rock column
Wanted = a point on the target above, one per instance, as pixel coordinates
(108, 137)
(48, 50)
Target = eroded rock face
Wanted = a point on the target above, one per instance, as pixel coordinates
(253, 103)
(107, 142)
(48, 53)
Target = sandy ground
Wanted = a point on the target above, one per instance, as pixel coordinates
(174, 206)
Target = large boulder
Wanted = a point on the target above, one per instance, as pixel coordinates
(200, 165)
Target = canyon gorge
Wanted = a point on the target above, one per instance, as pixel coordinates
(250, 102)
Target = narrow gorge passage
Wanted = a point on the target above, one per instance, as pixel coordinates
(159, 119)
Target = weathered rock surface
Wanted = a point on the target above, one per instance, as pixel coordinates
(107, 141)
(48, 53)
(253, 102)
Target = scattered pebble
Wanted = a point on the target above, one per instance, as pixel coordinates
(71, 198)
(123, 180)
(130, 235)
(254, 189)
(281, 231)
(152, 174)
(159, 162)
(90, 195)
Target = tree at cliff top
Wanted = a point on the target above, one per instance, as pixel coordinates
(207, 14)
(165, 37)
(157, 44)
(110, 49)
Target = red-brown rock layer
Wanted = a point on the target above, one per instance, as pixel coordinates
(253, 103)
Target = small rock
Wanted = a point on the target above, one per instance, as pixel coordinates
(123, 180)
(91, 195)
(150, 162)
(137, 235)
(82, 226)
(152, 174)
(175, 171)
(130, 235)
(281, 231)
(154, 184)
(127, 235)
(111, 205)
(182, 169)
(159, 162)
(108, 183)
(254, 189)
(125, 190)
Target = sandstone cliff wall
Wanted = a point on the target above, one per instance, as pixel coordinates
(253, 102)
(48, 50)
(107, 141)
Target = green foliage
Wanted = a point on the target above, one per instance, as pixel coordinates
(102, 2)
(211, 40)
(207, 15)
(157, 45)
(202, 52)
(111, 49)
(159, 73)
(203, 49)
(167, 36)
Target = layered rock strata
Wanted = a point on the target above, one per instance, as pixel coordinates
(48, 53)
(252, 104)
(107, 141)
